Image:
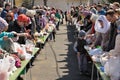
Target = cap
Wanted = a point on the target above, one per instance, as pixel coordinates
(22, 18)
(82, 33)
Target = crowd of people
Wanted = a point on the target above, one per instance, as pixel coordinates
(97, 25)
(20, 26)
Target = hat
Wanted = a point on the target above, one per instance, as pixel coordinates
(82, 33)
(30, 13)
(22, 18)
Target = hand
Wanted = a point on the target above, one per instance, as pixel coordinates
(5, 38)
(92, 46)
(78, 53)
(28, 31)
(25, 34)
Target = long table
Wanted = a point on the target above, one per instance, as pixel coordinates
(102, 74)
(23, 66)
(98, 65)
(42, 40)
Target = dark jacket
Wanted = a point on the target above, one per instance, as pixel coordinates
(15, 27)
(4, 13)
(80, 46)
(112, 38)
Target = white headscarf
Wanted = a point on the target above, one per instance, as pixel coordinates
(106, 24)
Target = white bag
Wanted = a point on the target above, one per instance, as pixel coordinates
(4, 67)
(104, 58)
(96, 51)
(112, 68)
(106, 25)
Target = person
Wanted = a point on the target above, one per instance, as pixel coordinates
(116, 5)
(114, 60)
(57, 15)
(31, 25)
(102, 28)
(100, 10)
(93, 10)
(81, 52)
(42, 21)
(5, 10)
(113, 30)
(9, 17)
(15, 11)
(6, 42)
(19, 27)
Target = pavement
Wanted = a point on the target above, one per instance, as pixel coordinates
(57, 61)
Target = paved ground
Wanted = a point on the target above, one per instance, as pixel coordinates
(57, 60)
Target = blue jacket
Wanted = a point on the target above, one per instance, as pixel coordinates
(102, 12)
(10, 35)
(4, 13)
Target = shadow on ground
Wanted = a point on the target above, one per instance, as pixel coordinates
(71, 60)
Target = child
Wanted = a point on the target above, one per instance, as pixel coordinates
(81, 52)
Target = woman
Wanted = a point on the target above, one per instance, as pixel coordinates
(9, 17)
(19, 27)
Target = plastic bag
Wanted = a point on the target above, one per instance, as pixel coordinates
(96, 58)
(12, 67)
(104, 58)
(29, 46)
(18, 48)
(97, 51)
(112, 68)
(4, 67)
(8, 45)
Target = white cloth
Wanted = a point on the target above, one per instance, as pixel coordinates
(112, 68)
(106, 24)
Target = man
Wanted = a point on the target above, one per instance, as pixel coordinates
(100, 10)
(116, 5)
(113, 32)
(15, 11)
(5, 10)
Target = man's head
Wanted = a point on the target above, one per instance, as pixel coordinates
(15, 9)
(109, 15)
(7, 6)
(116, 5)
(117, 12)
(99, 7)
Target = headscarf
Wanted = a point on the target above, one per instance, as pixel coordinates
(3, 24)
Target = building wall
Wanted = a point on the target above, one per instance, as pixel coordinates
(60, 4)
(66, 4)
